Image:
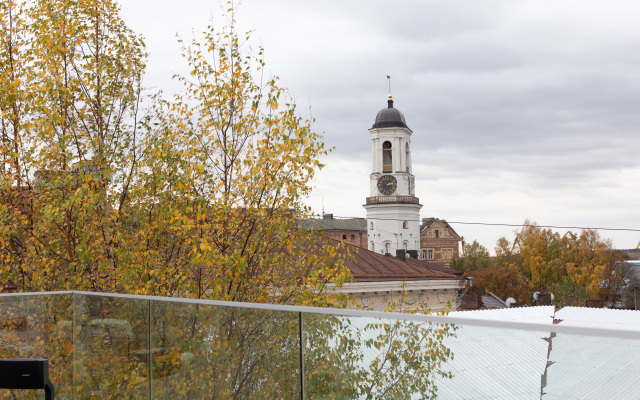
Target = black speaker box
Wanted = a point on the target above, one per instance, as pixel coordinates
(24, 373)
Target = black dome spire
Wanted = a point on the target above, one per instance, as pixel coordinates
(389, 117)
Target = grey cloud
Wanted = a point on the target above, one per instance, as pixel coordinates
(516, 106)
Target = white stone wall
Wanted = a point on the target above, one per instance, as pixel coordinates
(406, 184)
(434, 301)
(387, 220)
(389, 232)
(435, 294)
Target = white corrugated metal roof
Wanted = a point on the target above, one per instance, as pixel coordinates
(492, 363)
(538, 315)
(600, 318)
(495, 363)
(587, 367)
(498, 363)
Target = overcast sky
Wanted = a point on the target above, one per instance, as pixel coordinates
(519, 109)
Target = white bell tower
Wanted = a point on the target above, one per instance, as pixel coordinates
(393, 211)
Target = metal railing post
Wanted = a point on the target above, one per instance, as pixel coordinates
(150, 359)
(301, 341)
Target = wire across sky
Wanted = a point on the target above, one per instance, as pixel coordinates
(514, 225)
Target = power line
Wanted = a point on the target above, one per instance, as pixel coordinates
(546, 226)
(511, 225)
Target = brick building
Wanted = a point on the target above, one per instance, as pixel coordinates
(439, 243)
(350, 230)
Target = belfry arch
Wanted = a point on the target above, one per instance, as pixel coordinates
(387, 157)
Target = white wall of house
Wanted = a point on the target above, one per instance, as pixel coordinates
(436, 294)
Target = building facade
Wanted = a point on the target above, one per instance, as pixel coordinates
(393, 210)
(380, 281)
(439, 243)
(349, 230)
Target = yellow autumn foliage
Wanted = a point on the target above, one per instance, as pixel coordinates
(195, 196)
(106, 187)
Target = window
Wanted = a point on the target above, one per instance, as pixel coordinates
(387, 163)
(437, 233)
(430, 254)
(344, 237)
(353, 237)
(405, 245)
(405, 225)
(373, 246)
(371, 225)
(387, 248)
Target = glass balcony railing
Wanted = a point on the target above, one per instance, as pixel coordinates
(102, 346)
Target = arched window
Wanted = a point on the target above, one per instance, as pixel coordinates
(370, 225)
(373, 246)
(405, 225)
(387, 165)
(387, 248)
(405, 245)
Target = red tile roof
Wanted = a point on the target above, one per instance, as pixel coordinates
(368, 266)
(437, 267)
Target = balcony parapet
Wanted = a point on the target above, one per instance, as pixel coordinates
(393, 199)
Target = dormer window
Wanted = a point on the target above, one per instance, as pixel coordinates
(437, 233)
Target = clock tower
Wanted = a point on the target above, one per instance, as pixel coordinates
(393, 210)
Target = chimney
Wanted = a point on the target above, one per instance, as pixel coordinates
(544, 299)
(401, 255)
(594, 303)
(327, 216)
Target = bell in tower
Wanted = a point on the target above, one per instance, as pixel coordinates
(393, 211)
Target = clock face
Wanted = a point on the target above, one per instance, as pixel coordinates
(387, 184)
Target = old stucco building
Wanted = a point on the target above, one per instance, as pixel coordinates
(379, 280)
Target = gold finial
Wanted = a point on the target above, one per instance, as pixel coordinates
(390, 97)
